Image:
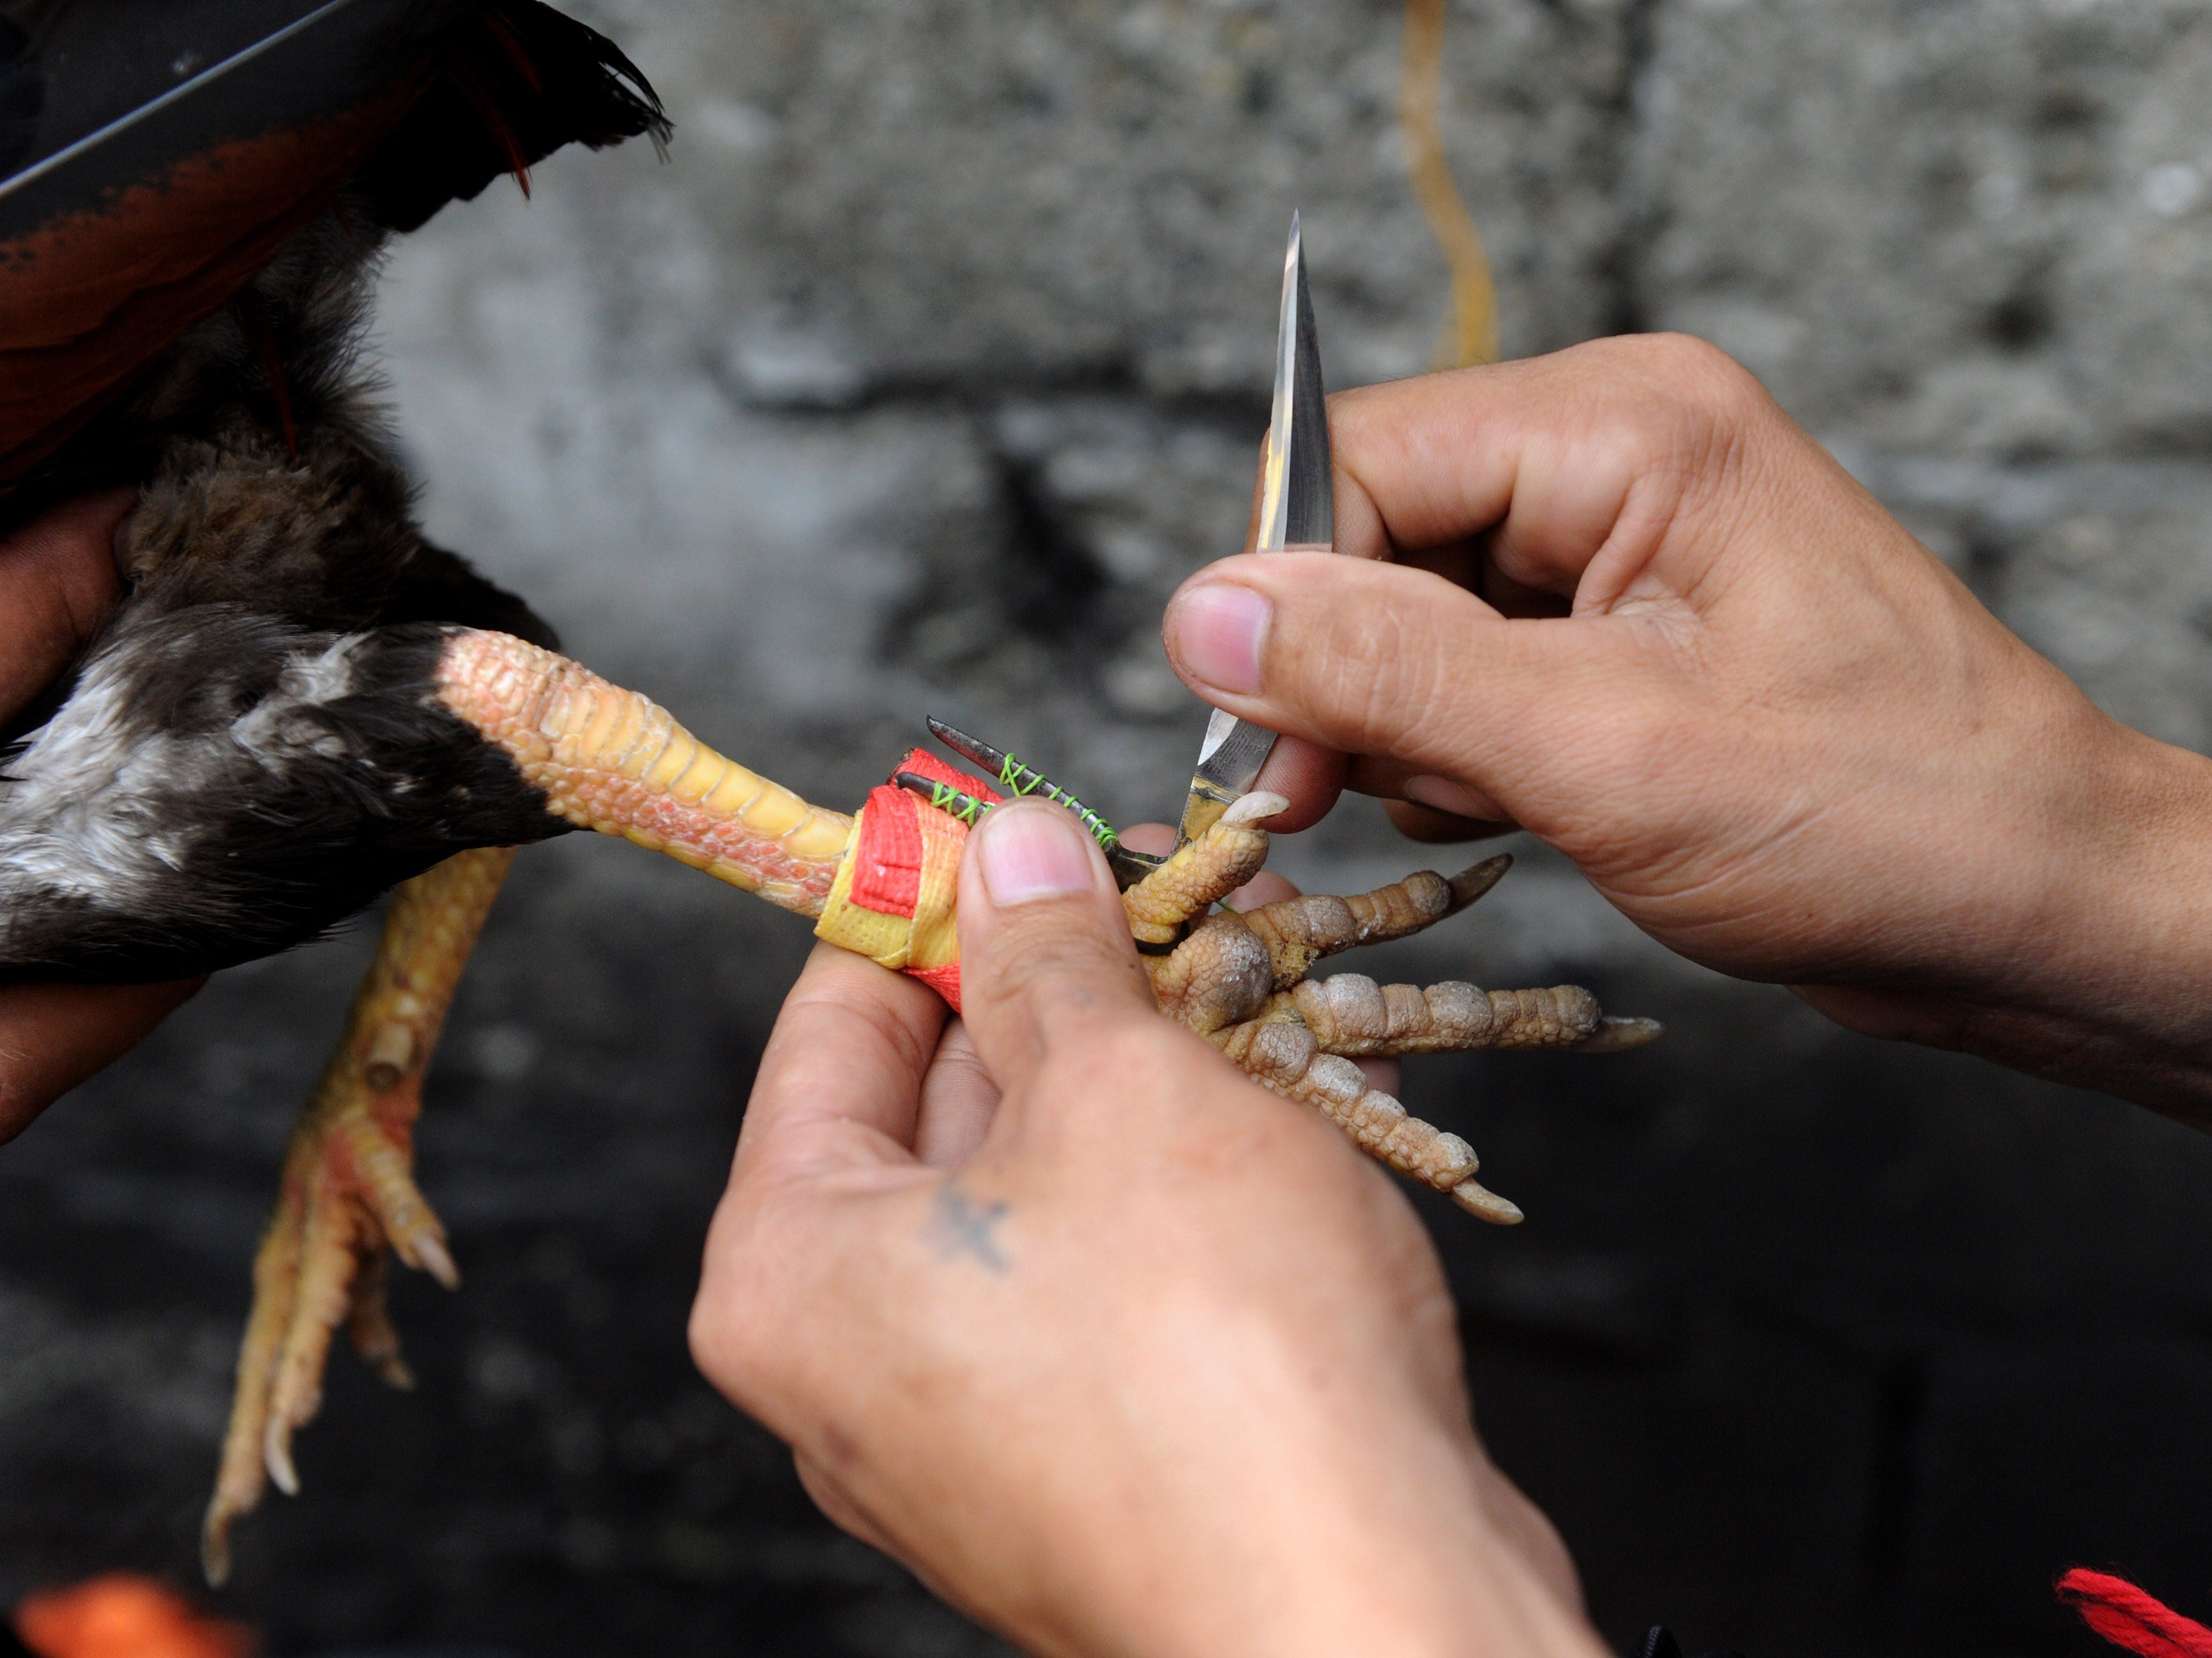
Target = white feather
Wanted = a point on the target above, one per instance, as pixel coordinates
(80, 813)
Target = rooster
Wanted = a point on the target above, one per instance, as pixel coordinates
(192, 201)
(301, 703)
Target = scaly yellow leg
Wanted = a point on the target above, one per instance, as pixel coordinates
(609, 759)
(348, 1192)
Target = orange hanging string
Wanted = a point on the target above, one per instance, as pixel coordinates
(1470, 334)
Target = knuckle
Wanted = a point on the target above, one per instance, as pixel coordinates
(720, 1346)
(1679, 393)
(1681, 357)
(1715, 398)
(732, 1328)
(1681, 361)
(1671, 413)
(708, 1336)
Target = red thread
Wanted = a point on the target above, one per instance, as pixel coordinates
(511, 43)
(518, 161)
(887, 863)
(253, 322)
(2128, 1617)
(945, 981)
(887, 868)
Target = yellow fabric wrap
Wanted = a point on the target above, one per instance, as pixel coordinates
(927, 938)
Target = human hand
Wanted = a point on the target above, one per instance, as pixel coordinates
(58, 582)
(1120, 1352)
(1630, 607)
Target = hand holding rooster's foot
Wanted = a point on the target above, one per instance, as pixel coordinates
(58, 583)
(1116, 1349)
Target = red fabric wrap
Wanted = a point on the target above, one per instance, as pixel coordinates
(946, 981)
(923, 764)
(887, 864)
(887, 868)
(2128, 1617)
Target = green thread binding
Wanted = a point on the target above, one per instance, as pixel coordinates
(1010, 777)
(964, 807)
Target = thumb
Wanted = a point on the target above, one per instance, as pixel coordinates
(58, 582)
(1379, 660)
(1045, 953)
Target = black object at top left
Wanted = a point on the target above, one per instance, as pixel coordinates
(155, 154)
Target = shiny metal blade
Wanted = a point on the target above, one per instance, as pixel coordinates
(1297, 506)
(1297, 511)
(1229, 763)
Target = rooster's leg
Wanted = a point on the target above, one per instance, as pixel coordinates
(347, 1193)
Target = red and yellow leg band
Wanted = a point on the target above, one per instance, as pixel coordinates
(892, 900)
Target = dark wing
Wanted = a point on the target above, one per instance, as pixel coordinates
(163, 150)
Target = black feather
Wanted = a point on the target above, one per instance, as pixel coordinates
(264, 848)
(155, 153)
(521, 82)
(22, 96)
(252, 750)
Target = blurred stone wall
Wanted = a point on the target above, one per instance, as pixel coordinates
(930, 363)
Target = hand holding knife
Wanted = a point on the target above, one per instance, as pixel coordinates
(1298, 513)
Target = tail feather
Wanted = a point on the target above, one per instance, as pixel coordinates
(523, 82)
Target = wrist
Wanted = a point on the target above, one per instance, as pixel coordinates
(1386, 1543)
(2106, 961)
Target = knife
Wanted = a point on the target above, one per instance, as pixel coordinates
(1298, 513)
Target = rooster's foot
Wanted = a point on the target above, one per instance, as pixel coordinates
(1240, 981)
(348, 1196)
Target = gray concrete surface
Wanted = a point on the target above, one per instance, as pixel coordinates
(918, 378)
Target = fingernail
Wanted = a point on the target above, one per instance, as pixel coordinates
(1218, 631)
(1443, 794)
(1031, 852)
